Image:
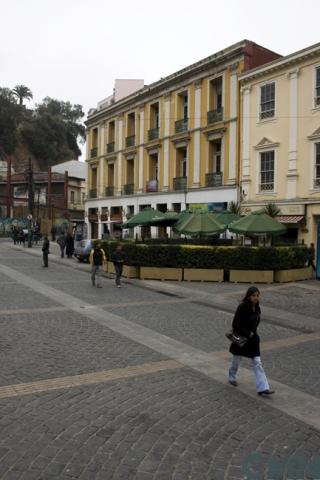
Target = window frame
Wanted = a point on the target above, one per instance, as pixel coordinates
(260, 172)
(316, 165)
(262, 112)
(316, 97)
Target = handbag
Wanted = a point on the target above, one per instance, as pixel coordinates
(236, 339)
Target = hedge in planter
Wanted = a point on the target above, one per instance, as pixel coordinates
(191, 256)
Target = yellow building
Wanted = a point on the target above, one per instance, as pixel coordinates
(280, 140)
(170, 144)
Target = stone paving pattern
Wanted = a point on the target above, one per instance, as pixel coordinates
(174, 424)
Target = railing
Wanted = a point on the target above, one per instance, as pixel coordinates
(266, 187)
(152, 186)
(128, 189)
(316, 183)
(94, 152)
(109, 192)
(214, 179)
(180, 183)
(130, 141)
(181, 125)
(153, 133)
(93, 193)
(93, 217)
(215, 115)
(110, 147)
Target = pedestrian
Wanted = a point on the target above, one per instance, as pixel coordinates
(53, 233)
(311, 256)
(97, 258)
(62, 243)
(245, 324)
(45, 250)
(118, 258)
(69, 245)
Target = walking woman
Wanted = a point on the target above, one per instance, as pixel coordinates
(245, 324)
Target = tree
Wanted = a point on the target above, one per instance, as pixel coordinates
(9, 121)
(234, 207)
(271, 209)
(22, 92)
(54, 130)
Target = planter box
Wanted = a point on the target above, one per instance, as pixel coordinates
(293, 275)
(129, 271)
(251, 276)
(203, 275)
(105, 267)
(159, 273)
(110, 268)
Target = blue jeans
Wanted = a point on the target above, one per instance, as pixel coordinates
(261, 379)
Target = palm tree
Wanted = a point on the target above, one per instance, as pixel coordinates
(272, 210)
(234, 207)
(22, 92)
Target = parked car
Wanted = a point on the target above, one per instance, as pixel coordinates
(82, 250)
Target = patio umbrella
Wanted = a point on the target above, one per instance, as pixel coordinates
(144, 218)
(257, 224)
(198, 223)
(227, 217)
(169, 218)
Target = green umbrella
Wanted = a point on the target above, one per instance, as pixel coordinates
(257, 224)
(144, 218)
(169, 219)
(198, 223)
(227, 217)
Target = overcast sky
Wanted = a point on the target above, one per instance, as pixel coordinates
(74, 49)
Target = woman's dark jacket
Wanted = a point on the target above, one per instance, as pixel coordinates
(244, 323)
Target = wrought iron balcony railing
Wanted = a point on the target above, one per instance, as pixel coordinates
(130, 141)
(153, 134)
(94, 152)
(93, 193)
(109, 192)
(181, 125)
(110, 147)
(180, 183)
(215, 115)
(214, 179)
(128, 189)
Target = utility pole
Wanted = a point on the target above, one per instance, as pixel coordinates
(30, 201)
(9, 186)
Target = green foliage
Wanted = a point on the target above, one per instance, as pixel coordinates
(271, 209)
(50, 132)
(22, 92)
(227, 258)
(234, 207)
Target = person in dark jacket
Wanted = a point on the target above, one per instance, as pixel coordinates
(97, 258)
(311, 256)
(45, 250)
(69, 245)
(245, 323)
(118, 258)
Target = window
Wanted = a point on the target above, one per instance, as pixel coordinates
(266, 171)
(317, 89)
(267, 101)
(217, 156)
(317, 166)
(72, 196)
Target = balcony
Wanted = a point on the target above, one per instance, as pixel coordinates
(94, 152)
(153, 134)
(215, 115)
(128, 189)
(109, 192)
(130, 141)
(110, 147)
(93, 193)
(152, 186)
(214, 179)
(180, 183)
(181, 125)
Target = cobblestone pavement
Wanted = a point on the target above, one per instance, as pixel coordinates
(130, 383)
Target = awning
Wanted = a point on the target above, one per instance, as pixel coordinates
(290, 218)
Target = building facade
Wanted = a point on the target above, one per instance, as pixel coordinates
(280, 140)
(170, 144)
